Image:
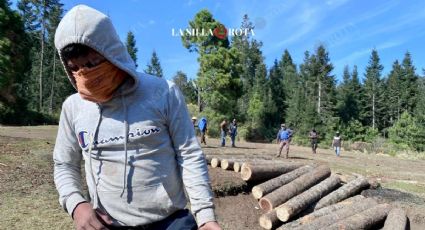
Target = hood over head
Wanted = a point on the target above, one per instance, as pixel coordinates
(87, 26)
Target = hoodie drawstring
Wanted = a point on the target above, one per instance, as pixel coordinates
(91, 145)
(125, 144)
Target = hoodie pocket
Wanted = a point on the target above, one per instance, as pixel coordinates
(138, 205)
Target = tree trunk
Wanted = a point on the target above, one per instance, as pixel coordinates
(267, 187)
(396, 220)
(305, 199)
(327, 220)
(208, 159)
(351, 188)
(363, 220)
(40, 76)
(293, 188)
(269, 220)
(215, 162)
(267, 162)
(322, 212)
(227, 164)
(319, 98)
(52, 91)
(265, 171)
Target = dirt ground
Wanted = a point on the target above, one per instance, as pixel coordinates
(28, 199)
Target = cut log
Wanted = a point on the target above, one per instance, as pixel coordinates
(251, 163)
(215, 162)
(363, 220)
(351, 188)
(349, 210)
(293, 188)
(208, 159)
(396, 220)
(269, 220)
(227, 164)
(237, 167)
(321, 212)
(267, 187)
(264, 172)
(299, 203)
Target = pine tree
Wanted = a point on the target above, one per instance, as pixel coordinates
(220, 69)
(154, 66)
(393, 93)
(373, 91)
(408, 84)
(294, 91)
(131, 46)
(346, 105)
(277, 90)
(250, 58)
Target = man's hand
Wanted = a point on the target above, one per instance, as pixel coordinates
(210, 226)
(88, 219)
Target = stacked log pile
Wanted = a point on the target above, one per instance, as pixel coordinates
(298, 196)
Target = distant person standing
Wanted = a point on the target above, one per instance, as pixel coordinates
(202, 126)
(194, 121)
(223, 132)
(313, 135)
(233, 131)
(283, 139)
(336, 144)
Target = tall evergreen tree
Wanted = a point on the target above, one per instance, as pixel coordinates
(294, 91)
(251, 59)
(131, 46)
(393, 93)
(220, 69)
(409, 85)
(154, 66)
(373, 91)
(277, 92)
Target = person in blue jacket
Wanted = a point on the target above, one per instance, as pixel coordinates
(202, 126)
(284, 139)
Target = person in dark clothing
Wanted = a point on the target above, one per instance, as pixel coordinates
(313, 135)
(233, 131)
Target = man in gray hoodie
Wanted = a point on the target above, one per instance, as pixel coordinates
(133, 132)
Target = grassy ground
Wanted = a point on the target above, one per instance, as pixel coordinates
(28, 199)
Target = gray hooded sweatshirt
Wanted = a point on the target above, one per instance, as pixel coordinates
(139, 149)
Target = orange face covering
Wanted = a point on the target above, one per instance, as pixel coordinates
(99, 83)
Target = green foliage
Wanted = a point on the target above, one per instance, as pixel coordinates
(407, 131)
(354, 131)
(371, 134)
(131, 46)
(187, 87)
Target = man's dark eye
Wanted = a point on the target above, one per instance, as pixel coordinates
(89, 65)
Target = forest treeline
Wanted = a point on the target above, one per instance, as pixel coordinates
(233, 81)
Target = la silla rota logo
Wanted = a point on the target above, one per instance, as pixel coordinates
(220, 32)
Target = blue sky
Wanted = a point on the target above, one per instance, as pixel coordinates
(349, 29)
